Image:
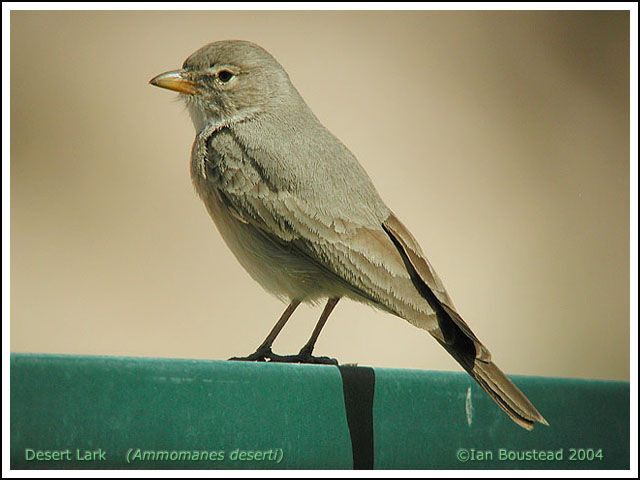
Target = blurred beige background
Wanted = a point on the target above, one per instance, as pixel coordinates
(500, 139)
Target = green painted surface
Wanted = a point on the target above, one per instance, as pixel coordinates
(445, 420)
(294, 415)
(120, 405)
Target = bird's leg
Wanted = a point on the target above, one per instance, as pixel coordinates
(264, 350)
(304, 356)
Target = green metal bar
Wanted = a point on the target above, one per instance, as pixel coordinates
(115, 412)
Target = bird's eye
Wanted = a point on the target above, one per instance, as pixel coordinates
(225, 76)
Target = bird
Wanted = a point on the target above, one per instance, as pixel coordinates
(303, 218)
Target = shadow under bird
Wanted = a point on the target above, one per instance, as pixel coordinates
(302, 216)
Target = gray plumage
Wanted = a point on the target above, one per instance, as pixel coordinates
(300, 213)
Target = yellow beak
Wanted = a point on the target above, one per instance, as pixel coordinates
(174, 81)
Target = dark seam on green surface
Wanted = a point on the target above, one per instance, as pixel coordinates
(358, 384)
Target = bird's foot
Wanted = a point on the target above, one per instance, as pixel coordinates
(304, 357)
(267, 355)
(262, 354)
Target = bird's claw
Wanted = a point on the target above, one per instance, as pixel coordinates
(260, 355)
(267, 355)
(306, 358)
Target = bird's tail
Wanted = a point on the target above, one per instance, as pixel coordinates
(454, 334)
(498, 386)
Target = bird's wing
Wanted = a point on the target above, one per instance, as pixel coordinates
(352, 246)
(363, 258)
(366, 247)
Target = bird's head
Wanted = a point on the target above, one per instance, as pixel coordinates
(227, 82)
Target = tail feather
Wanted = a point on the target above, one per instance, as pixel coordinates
(502, 390)
(474, 357)
(454, 334)
(506, 395)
